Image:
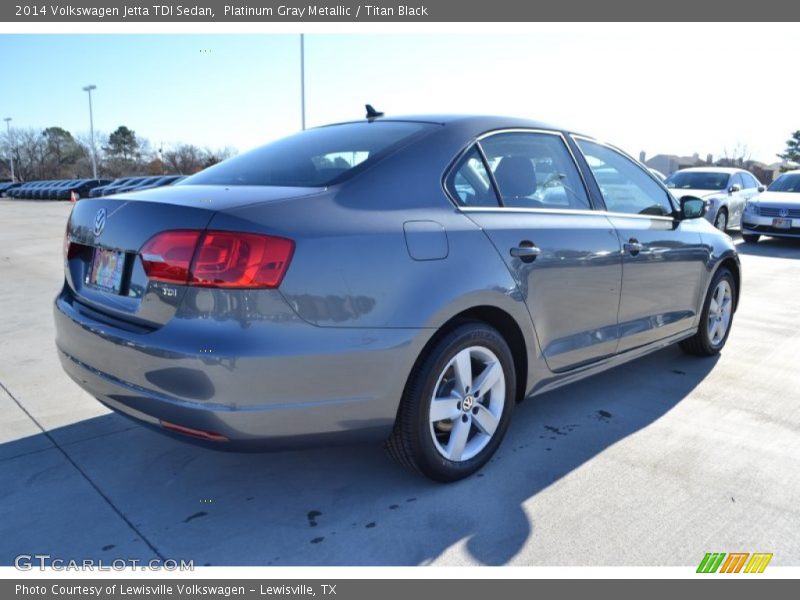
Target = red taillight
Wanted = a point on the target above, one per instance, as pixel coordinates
(240, 260)
(224, 259)
(168, 255)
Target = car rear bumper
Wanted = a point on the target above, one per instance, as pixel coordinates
(305, 385)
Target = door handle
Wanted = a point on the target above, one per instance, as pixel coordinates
(526, 251)
(633, 246)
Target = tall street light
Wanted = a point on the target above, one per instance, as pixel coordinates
(10, 147)
(302, 81)
(89, 89)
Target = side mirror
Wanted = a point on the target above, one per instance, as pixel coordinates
(734, 188)
(762, 188)
(692, 207)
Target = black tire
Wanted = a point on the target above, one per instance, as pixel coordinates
(411, 442)
(751, 238)
(700, 343)
(721, 220)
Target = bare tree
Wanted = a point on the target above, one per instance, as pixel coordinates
(186, 159)
(736, 156)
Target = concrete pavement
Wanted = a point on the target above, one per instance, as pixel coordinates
(653, 463)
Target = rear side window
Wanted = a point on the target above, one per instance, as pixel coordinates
(626, 187)
(470, 183)
(312, 158)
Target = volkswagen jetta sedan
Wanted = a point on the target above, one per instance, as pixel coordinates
(407, 280)
(776, 212)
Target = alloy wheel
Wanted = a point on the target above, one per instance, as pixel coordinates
(719, 312)
(467, 403)
(721, 221)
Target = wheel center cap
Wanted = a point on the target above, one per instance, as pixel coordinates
(467, 403)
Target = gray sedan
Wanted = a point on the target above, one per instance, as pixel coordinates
(408, 280)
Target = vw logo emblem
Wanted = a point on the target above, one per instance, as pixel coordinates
(100, 221)
(784, 212)
(468, 403)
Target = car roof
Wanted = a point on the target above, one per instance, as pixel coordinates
(729, 170)
(793, 172)
(477, 123)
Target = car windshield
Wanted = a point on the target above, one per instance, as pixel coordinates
(312, 158)
(786, 183)
(695, 180)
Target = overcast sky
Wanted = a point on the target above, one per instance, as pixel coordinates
(675, 89)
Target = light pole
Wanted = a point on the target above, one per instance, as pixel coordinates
(10, 147)
(88, 89)
(302, 81)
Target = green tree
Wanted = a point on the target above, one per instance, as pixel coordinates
(123, 144)
(792, 151)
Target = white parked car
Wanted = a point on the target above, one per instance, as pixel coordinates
(725, 190)
(776, 212)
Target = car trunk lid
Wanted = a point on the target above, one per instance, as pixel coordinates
(103, 267)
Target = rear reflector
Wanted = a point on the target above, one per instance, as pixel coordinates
(223, 259)
(196, 433)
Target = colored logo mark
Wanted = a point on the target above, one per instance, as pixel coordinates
(734, 562)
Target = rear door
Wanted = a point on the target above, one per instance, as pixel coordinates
(525, 191)
(662, 257)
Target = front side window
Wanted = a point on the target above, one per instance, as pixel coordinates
(698, 180)
(312, 158)
(626, 187)
(750, 182)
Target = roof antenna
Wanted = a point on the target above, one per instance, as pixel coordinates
(372, 113)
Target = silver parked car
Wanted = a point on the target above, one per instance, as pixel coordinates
(405, 279)
(776, 212)
(725, 189)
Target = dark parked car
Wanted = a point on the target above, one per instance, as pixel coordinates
(136, 183)
(407, 279)
(51, 191)
(101, 189)
(33, 192)
(7, 186)
(158, 182)
(16, 192)
(81, 187)
(112, 187)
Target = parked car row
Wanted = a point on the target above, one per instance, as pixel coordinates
(63, 189)
(725, 190)
(128, 184)
(54, 189)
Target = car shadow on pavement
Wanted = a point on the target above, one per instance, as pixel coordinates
(347, 505)
(771, 247)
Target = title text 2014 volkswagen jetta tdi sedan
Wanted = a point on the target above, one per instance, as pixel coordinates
(406, 279)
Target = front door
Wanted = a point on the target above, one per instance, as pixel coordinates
(662, 257)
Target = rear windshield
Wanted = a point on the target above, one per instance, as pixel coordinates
(786, 183)
(312, 158)
(684, 180)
